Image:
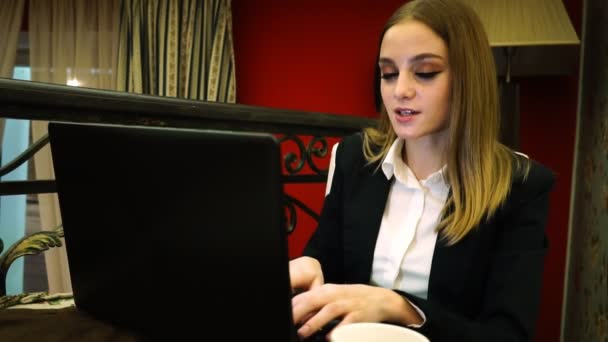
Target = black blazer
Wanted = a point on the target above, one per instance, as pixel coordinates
(484, 288)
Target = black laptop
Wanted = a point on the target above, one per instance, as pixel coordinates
(175, 232)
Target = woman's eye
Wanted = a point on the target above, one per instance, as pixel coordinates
(389, 76)
(427, 75)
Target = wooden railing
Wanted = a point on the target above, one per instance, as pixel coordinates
(307, 131)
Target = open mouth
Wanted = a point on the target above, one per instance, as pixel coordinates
(406, 112)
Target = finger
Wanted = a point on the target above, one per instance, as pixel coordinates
(307, 317)
(305, 273)
(303, 307)
(303, 282)
(328, 313)
(348, 319)
(298, 282)
(312, 301)
(317, 282)
(299, 298)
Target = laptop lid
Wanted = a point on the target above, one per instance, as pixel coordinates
(171, 232)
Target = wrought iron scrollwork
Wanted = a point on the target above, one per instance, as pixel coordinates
(29, 245)
(316, 148)
(291, 217)
(26, 186)
(294, 162)
(25, 156)
(316, 151)
(290, 204)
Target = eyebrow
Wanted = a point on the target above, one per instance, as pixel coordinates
(413, 59)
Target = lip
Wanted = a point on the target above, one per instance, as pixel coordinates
(405, 118)
(403, 111)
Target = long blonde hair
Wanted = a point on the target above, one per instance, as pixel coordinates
(479, 167)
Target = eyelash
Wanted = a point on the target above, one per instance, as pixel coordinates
(389, 76)
(427, 75)
(422, 75)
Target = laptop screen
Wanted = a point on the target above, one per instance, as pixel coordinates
(162, 222)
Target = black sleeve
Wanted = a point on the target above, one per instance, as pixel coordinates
(512, 294)
(325, 244)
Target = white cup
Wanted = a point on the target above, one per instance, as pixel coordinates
(374, 332)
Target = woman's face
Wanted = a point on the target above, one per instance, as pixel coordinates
(415, 81)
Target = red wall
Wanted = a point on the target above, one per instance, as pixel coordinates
(318, 55)
(311, 55)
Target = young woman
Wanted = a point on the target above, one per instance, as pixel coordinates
(429, 221)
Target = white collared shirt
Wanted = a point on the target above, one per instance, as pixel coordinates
(407, 236)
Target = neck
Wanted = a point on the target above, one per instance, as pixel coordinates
(424, 156)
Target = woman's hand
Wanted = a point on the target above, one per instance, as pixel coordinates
(350, 303)
(305, 273)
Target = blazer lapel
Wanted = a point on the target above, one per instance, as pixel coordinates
(451, 266)
(363, 224)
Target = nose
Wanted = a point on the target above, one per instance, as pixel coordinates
(404, 89)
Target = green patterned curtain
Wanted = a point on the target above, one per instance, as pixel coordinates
(11, 13)
(177, 48)
(10, 24)
(69, 40)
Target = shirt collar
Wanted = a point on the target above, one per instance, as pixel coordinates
(393, 165)
(393, 155)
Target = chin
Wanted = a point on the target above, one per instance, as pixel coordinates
(408, 135)
(411, 134)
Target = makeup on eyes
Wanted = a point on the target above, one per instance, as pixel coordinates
(426, 72)
(427, 75)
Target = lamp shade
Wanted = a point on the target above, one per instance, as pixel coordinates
(529, 37)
